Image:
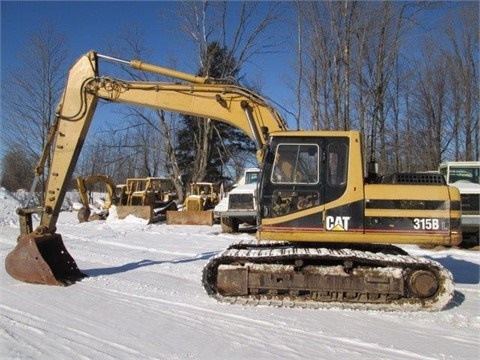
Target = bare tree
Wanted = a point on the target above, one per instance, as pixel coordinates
(352, 74)
(244, 36)
(445, 101)
(431, 95)
(138, 142)
(17, 170)
(462, 58)
(317, 65)
(30, 92)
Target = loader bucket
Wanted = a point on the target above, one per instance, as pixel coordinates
(42, 259)
(190, 218)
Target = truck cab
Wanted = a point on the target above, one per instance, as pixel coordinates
(465, 175)
(239, 206)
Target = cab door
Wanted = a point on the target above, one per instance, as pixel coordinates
(292, 191)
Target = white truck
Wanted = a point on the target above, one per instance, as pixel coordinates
(239, 206)
(464, 175)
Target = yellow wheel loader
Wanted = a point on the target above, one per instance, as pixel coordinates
(326, 233)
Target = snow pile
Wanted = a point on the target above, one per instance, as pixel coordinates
(96, 205)
(9, 204)
(129, 219)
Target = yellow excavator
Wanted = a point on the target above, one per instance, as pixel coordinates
(326, 232)
(83, 184)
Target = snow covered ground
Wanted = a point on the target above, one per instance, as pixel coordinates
(143, 299)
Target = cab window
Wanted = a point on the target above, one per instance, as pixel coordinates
(337, 164)
(296, 164)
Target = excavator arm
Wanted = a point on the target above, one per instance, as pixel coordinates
(200, 96)
(205, 98)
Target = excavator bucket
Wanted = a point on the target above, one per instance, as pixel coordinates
(190, 218)
(42, 259)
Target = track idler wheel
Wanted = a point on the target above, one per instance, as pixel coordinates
(42, 259)
(423, 283)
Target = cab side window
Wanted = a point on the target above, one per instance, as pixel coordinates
(337, 164)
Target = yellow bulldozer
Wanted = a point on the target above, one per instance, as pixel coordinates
(148, 198)
(197, 207)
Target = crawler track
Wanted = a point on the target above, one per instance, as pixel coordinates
(368, 277)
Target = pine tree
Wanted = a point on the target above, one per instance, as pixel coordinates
(206, 147)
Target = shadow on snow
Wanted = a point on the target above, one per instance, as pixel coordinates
(142, 263)
(464, 272)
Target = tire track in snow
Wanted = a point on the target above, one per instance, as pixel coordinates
(185, 311)
(30, 330)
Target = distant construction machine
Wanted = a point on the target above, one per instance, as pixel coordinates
(465, 176)
(83, 183)
(240, 205)
(148, 198)
(197, 207)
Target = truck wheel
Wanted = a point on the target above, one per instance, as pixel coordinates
(229, 225)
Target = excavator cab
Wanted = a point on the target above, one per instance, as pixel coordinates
(303, 175)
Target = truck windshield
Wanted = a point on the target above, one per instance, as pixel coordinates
(465, 174)
(251, 178)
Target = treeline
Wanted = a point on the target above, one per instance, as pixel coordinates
(370, 66)
(417, 105)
